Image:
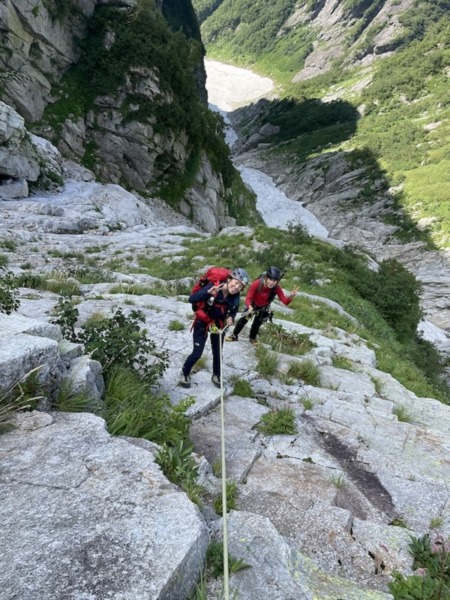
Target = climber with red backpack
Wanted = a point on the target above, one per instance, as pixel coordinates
(260, 295)
(215, 301)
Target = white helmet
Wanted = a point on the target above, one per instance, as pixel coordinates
(241, 275)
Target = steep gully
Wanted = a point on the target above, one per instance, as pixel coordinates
(230, 88)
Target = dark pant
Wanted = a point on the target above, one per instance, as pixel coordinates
(258, 320)
(200, 335)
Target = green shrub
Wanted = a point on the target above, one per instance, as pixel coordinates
(179, 466)
(31, 280)
(66, 317)
(268, 362)
(242, 388)
(307, 370)
(431, 580)
(231, 492)
(394, 291)
(9, 300)
(341, 362)
(117, 341)
(62, 286)
(215, 561)
(308, 404)
(278, 421)
(10, 245)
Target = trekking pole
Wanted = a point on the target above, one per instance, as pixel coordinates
(224, 476)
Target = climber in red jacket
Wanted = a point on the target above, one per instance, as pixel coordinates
(257, 303)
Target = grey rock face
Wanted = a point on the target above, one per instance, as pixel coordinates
(331, 22)
(17, 158)
(24, 157)
(36, 48)
(39, 43)
(112, 525)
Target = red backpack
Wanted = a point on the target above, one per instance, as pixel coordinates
(214, 275)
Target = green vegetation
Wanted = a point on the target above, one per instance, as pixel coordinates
(338, 480)
(286, 342)
(9, 301)
(116, 341)
(177, 462)
(242, 388)
(23, 395)
(306, 370)
(402, 413)
(278, 421)
(230, 493)
(431, 579)
(214, 561)
(268, 362)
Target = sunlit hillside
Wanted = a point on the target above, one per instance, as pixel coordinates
(369, 77)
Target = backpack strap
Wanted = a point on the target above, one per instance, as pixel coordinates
(272, 292)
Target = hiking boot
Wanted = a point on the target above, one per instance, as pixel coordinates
(185, 380)
(231, 338)
(254, 342)
(216, 380)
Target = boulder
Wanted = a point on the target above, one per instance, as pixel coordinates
(87, 515)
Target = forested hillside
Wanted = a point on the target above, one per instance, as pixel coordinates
(366, 77)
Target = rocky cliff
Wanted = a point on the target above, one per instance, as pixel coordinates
(120, 88)
(358, 32)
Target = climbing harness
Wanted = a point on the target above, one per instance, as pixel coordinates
(267, 314)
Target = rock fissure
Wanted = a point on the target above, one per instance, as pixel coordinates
(367, 482)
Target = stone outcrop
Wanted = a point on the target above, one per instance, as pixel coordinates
(88, 515)
(35, 349)
(38, 43)
(120, 135)
(333, 22)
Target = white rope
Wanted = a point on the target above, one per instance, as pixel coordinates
(224, 477)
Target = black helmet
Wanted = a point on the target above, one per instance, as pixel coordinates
(274, 273)
(241, 275)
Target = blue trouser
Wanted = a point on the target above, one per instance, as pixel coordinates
(200, 335)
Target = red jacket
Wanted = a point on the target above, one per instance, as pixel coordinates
(259, 298)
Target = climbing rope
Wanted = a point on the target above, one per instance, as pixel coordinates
(224, 475)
